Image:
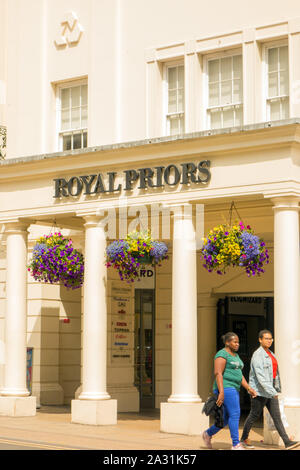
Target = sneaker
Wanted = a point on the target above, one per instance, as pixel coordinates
(239, 446)
(246, 443)
(291, 445)
(207, 440)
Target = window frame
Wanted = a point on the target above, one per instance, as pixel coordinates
(166, 114)
(238, 51)
(265, 80)
(61, 133)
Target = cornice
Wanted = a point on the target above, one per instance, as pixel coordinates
(193, 145)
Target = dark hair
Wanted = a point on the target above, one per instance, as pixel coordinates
(228, 336)
(264, 332)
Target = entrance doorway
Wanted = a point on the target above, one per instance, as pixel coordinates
(245, 316)
(144, 346)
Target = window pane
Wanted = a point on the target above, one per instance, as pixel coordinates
(275, 110)
(213, 70)
(67, 142)
(237, 66)
(273, 59)
(65, 119)
(180, 100)
(215, 119)
(285, 109)
(65, 98)
(84, 117)
(172, 78)
(283, 58)
(226, 92)
(213, 99)
(77, 141)
(273, 84)
(172, 105)
(75, 96)
(75, 118)
(85, 139)
(237, 91)
(181, 125)
(84, 97)
(174, 125)
(284, 83)
(226, 65)
(238, 116)
(228, 117)
(181, 76)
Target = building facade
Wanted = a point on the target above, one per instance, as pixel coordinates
(124, 114)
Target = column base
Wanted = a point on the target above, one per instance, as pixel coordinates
(293, 431)
(95, 412)
(48, 393)
(183, 418)
(18, 406)
(128, 398)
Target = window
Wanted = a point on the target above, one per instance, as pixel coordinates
(73, 116)
(277, 83)
(175, 99)
(225, 92)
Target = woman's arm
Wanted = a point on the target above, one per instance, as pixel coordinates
(220, 364)
(248, 388)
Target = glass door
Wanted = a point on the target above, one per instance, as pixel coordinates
(144, 346)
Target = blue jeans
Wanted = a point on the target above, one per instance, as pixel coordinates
(232, 413)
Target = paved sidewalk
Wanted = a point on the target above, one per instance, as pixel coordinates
(51, 428)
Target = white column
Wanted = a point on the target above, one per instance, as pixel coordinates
(94, 405)
(287, 305)
(182, 413)
(184, 312)
(12, 400)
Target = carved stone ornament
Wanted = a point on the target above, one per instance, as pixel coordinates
(70, 31)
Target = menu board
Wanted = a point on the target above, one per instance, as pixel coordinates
(121, 325)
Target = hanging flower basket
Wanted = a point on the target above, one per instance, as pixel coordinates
(227, 246)
(138, 248)
(54, 260)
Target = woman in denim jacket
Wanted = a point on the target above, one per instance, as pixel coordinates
(265, 380)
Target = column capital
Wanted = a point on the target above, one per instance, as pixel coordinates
(92, 218)
(16, 226)
(182, 210)
(288, 202)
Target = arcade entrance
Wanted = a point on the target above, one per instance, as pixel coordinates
(245, 316)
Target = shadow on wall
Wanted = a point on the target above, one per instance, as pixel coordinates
(51, 392)
(70, 343)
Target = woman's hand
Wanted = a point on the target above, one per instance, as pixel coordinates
(220, 399)
(252, 392)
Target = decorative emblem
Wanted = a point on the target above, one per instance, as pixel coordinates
(70, 31)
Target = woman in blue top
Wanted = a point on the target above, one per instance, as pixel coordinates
(228, 379)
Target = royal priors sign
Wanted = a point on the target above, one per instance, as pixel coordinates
(143, 178)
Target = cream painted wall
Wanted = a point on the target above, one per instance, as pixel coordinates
(3, 58)
(120, 37)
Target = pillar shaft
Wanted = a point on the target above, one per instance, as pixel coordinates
(286, 296)
(95, 313)
(184, 312)
(16, 311)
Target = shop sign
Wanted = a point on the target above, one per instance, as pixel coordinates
(156, 177)
(121, 325)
